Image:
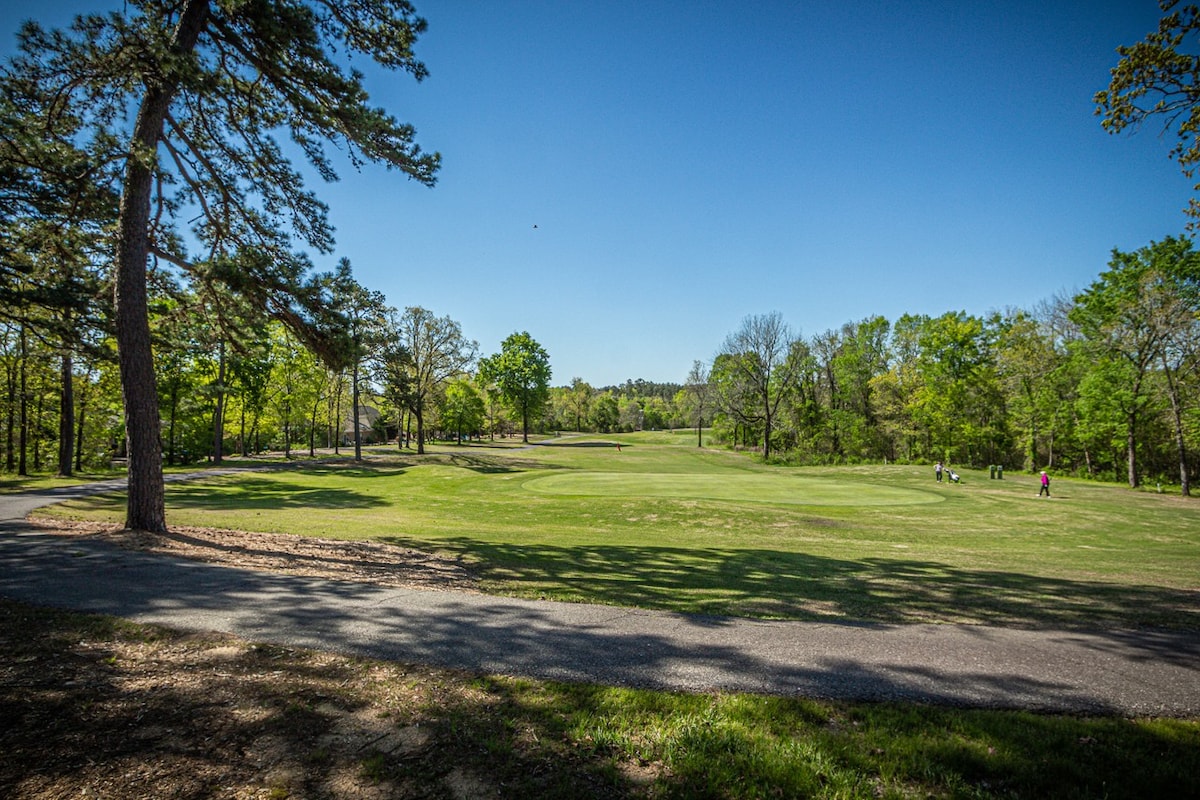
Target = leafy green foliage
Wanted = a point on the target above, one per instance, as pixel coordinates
(1158, 79)
(462, 409)
(187, 99)
(1142, 312)
(431, 351)
(521, 372)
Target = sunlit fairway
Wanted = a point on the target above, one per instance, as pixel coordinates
(663, 524)
(786, 487)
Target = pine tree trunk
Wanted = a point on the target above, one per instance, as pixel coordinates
(66, 418)
(38, 416)
(357, 420)
(145, 509)
(10, 419)
(341, 423)
(218, 448)
(23, 418)
(80, 418)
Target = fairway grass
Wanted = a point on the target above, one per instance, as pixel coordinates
(663, 524)
(787, 488)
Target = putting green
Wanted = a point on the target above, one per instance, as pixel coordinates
(742, 488)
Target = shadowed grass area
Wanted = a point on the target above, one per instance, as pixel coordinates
(803, 586)
(663, 524)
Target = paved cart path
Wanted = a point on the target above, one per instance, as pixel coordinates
(1121, 672)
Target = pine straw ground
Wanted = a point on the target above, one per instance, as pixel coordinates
(99, 708)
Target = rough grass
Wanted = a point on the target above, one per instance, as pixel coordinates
(662, 524)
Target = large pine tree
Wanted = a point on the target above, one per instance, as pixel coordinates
(189, 97)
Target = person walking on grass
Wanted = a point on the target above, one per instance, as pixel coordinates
(937, 470)
(1045, 490)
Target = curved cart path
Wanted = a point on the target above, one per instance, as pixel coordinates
(1154, 673)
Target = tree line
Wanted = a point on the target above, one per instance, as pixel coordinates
(1102, 384)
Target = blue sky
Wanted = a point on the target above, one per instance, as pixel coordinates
(687, 164)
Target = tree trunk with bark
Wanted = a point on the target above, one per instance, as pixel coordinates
(357, 420)
(66, 418)
(80, 420)
(1177, 419)
(218, 449)
(145, 509)
(23, 413)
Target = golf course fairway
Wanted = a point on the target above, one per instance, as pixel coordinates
(741, 488)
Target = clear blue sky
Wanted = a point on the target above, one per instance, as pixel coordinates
(687, 164)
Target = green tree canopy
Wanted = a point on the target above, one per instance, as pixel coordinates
(435, 351)
(189, 97)
(521, 372)
(1159, 78)
(1142, 311)
(462, 408)
(761, 356)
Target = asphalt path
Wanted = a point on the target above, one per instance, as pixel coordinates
(1133, 673)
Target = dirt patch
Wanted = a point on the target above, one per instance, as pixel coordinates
(365, 562)
(92, 707)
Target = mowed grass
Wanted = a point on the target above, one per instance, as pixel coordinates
(663, 524)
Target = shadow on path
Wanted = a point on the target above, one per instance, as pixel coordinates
(1124, 672)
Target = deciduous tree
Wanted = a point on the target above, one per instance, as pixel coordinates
(760, 354)
(1159, 79)
(436, 351)
(521, 372)
(1133, 313)
(696, 394)
(462, 408)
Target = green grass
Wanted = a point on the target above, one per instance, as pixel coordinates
(663, 524)
(30, 483)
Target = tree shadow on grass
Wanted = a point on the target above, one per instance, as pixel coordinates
(251, 492)
(491, 466)
(76, 718)
(766, 583)
(483, 463)
(595, 644)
